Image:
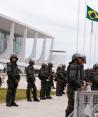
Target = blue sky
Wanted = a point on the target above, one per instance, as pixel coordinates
(56, 17)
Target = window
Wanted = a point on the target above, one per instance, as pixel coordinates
(17, 44)
(3, 41)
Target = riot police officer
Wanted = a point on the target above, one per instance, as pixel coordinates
(43, 76)
(31, 87)
(74, 79)
(49, 80)
(94, 78)
(13, 80)
(59, 81)
(64, 80)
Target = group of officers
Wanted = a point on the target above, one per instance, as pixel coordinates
(46, 76)
(75, 78)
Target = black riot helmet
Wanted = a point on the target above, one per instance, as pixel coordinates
(31, 62)
(44, 65)
(59, 68)
(76, 56)
(50, 65)
(14, 56)
(63, 66)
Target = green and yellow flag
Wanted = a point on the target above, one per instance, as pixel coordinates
(92, 14)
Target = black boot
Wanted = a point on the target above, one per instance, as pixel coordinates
(8, 104)
(36, 99)
(42, 98)
(49, 97)
(14, 104)
(29, 100)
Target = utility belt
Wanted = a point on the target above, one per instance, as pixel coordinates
(75, 83)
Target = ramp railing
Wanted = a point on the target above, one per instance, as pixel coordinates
(86, 104)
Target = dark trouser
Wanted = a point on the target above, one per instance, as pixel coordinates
(31, 88)
(70, 94)
(63, 85)
(43, 89)
(59, 87)
(48, 89)
(11, 92)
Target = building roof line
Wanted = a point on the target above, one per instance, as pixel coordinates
(25, 25)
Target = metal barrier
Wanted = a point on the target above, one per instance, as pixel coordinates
(86, 104)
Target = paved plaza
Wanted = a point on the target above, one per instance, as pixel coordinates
(47, 108)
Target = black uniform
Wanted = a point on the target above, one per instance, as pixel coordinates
(59, 81)
(93, 78)
(12, 82)
(31, 83)
(43, 77)
(49, 82)
(52, 80)
(74, 79)
(64, 72)
(88, 74)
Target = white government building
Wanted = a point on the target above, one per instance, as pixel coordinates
(13, 35)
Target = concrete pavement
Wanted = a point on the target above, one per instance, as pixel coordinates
(46, 108)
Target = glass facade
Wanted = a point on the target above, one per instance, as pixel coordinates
(17, 44)
(4, 36)
(3, 41)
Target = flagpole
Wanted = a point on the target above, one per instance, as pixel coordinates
(77, 39)
(95, 43)
(90, 43)
(84, 28)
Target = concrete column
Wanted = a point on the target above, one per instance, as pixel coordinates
(9, 49)
(51, 54)
(23, 46)
(42, 57)
(33, 54)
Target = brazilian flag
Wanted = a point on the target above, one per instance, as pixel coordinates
(92, 14)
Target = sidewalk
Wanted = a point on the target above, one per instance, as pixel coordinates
(47, 108)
